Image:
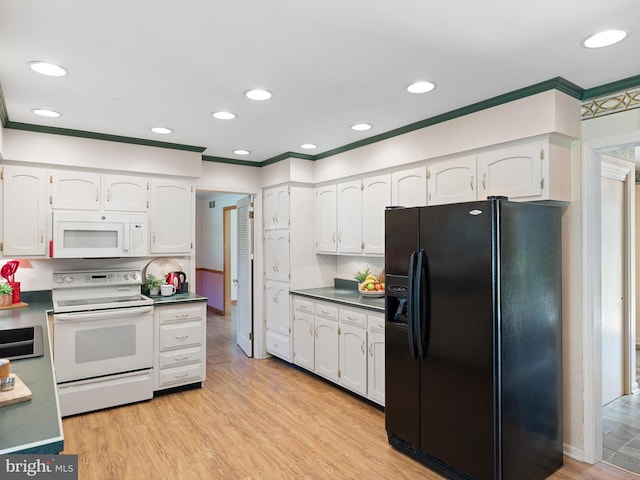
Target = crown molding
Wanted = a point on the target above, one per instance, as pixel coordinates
(558, 83)
(100, 136)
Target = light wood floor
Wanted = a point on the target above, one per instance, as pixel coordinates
(253, 419)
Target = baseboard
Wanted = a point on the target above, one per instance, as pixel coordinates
(215, 310)
(572, 452)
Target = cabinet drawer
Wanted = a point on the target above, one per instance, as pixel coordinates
(180, 335)
(353, 317)
(179, 375)
(376, 323)
(301, 305)
(325, 310)
(180, 357)
(278, 345)
(170, 315)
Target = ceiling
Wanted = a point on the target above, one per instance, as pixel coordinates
(329, 64)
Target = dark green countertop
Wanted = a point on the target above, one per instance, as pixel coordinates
(159, 300)
(344, 296)
(33, 426)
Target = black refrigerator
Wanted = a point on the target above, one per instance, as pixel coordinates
(473, 339)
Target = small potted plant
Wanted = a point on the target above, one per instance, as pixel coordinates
(6, 295)
(153, 284)
(361, 276)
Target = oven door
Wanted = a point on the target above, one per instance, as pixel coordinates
(95, 343)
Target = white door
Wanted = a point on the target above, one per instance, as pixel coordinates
(409, 187)
(613, 316)
(244, 310)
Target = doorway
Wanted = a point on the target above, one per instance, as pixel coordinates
(230, 243)
(216, 258)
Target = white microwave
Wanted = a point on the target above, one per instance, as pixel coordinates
(98, 235)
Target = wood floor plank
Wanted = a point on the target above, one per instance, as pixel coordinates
(253, 419)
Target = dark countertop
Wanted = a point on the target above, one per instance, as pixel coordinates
(344, 296)
(159, 300)
(33, 426)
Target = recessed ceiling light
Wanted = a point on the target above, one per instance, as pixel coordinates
(43, 112)
(241, 152)
(224, 115)
(258, 94)
(308, 146)
(46, 68)
(360, 127)
(421, 87)
(161, 130)
(605, 38)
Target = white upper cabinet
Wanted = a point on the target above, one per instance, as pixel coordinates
(124, 193)
(325, 219)
(276, 255)
(511, 172)
(92, 191)
(536, 170)
(75, 190)
(24, 218)
(376, 197)
(171, 217)
(360, 206)
(276, 207)
(350, 217)
(409, 187)
(452, 180)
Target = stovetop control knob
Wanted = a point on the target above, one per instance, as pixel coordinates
(125, 276)
(135, 276)
(68, 278)
(59, 278)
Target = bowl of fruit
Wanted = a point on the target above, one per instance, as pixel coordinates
(370, 285)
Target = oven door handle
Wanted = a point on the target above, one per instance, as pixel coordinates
(94, 315)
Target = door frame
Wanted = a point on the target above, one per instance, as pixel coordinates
(624, 171)
(226, 236)
(591, 289)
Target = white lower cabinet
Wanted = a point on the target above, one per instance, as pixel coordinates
(303, 333)
(353, 358)
(180, 344)
(277, 320)
(342, 344)
(326, 347)
(375, 359)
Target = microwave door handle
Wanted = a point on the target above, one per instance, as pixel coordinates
(125, 246)
(100, 314)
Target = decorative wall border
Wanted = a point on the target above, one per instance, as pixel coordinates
(615, 103)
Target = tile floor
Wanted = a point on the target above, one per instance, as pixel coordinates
(621, 430)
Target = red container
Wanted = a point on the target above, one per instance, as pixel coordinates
(15, 286)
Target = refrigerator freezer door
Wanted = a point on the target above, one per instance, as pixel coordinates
(457, 386)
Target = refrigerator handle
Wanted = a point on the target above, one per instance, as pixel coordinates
(423, 322)
(410, 305)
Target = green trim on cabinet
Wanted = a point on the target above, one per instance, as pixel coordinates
(101, 136)
(232, 161)
(613, 87)
(284, 156)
